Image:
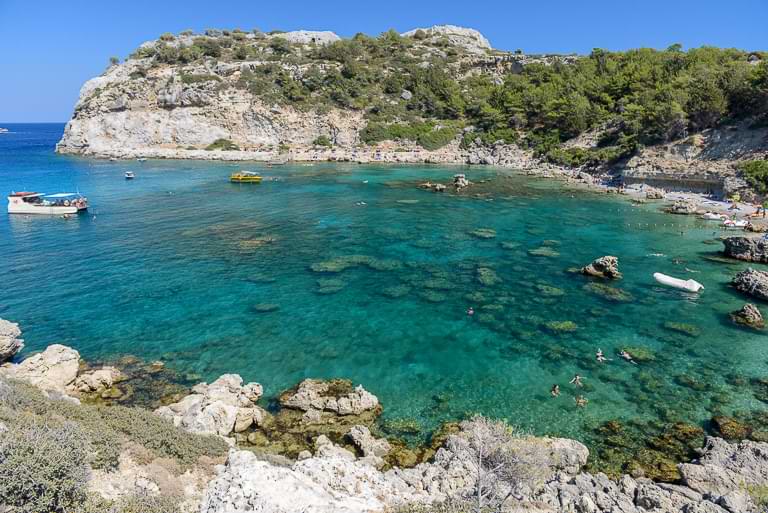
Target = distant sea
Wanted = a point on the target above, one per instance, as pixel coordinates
(210, 277)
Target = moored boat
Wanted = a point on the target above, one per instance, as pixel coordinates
(669, 281)
(50, 204)
(713, 216)
(129, 175)
(245, 177)
(3, 130)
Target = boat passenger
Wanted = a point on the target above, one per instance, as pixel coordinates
(555, 392)
(576, 381)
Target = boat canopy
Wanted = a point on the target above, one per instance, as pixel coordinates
(64, 195)
(24, 194)
(248, 173)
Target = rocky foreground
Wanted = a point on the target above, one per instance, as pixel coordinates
(353, 475)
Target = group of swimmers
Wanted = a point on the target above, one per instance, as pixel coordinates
(581, 401)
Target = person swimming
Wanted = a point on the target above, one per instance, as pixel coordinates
(470, 311)
(555, 392)
(576, 381)
(581, 401)
(627, 356)
(600, 356)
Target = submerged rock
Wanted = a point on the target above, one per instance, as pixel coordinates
(561, 326)
(749, 249)
(603, 267)
(610, 293)
(487, 277)
(730, 428)
(753, 283)
(10, 343)
(681, 327)
(749, 315)
(483, 233)
(265, 307)
(544, 251)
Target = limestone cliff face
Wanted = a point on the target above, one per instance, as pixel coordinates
(133, 110)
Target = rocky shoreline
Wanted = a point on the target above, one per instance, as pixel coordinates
(337, 464)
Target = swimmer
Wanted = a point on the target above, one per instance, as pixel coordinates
(627, 356)
(555, 392)
(470, 311)
(600, 356)
(581, 401)
(576, 381)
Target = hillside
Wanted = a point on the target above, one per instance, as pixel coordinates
(441, 94)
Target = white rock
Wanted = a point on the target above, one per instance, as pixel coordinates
(10, 343)
(95, 380)
(51, 370)
(306, 37)
(469, 39)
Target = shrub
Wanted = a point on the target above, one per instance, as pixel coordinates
(420, 35)
(322, 140)
(198, 78)
(113, 61)
(280, 45)
(222, 144)
(424, 134)
(43, 466)
(167, 37)
(756, 175)
(108, 428)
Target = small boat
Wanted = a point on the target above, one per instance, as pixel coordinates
(245, 177)
(51, 204)
(713, 216)
(730, 223)
(129, 175)
(669, 281)
(141, 159)
(3, 130)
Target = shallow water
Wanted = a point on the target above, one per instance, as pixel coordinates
(172, 266)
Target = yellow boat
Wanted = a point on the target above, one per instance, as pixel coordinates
(245, 177)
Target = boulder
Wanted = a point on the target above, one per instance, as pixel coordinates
(52, 370)
(223, 407)
(683, 207)
(603, 267)
(96, 380)
(306, 37)
(653, 193)
(10, 343)
(749, 249)
(373, 449)
(753, 283)
(749, 315)
(335, 396)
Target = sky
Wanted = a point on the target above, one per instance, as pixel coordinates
(49, 48)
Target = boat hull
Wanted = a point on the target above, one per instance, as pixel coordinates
(50, 210)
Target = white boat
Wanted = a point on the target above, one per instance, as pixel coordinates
(50, 204)
(129, 175)
(141, 159)
(3, 130)
(730, 223)
(713, 216)
(669, 281)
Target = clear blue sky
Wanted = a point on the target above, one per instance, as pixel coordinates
(50, 47)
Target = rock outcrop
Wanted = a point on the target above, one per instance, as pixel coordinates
(749, 249)
(221, 408)
(683, 207)
(337, 397)
(332, 480)
(52, 370)
(469, 39)
(749, 315)
(603, 267)
(96, 380)
(753, 283)
(10, 343)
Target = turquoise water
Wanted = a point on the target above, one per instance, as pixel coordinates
(172, 265)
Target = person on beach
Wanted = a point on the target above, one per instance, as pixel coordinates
(627, 356)
(576, 381)
(581, 401)
(765, 207)
(470, 311)
(555, 392)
